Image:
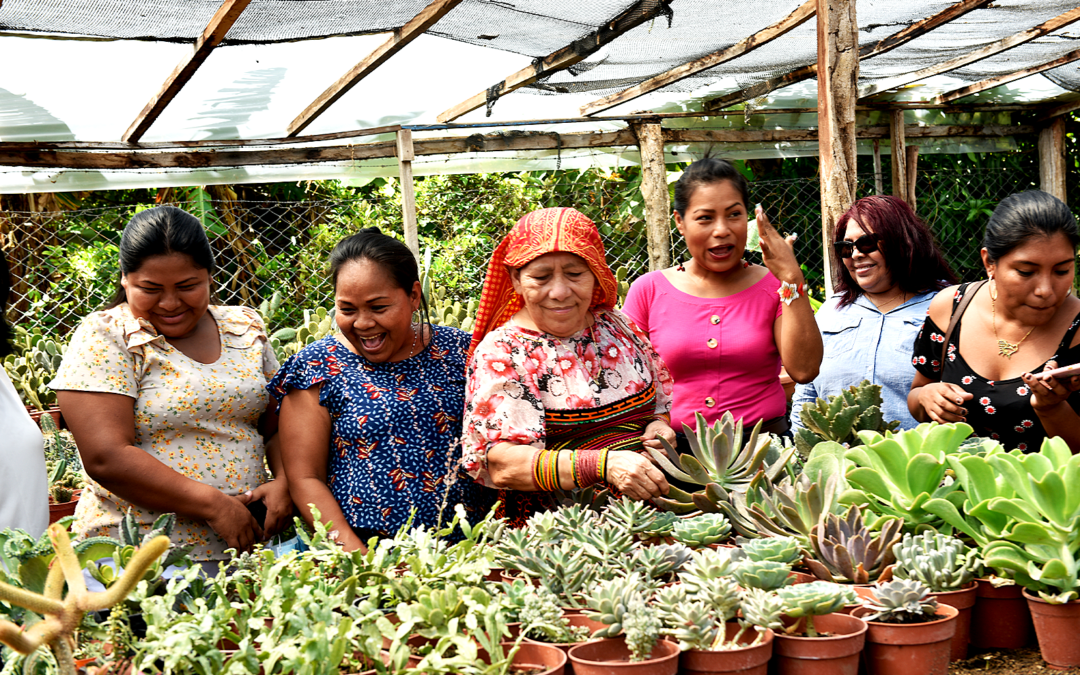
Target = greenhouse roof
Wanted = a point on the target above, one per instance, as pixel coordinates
(112, 93)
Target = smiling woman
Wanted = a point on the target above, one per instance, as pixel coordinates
(1024, 320)
(164, 395)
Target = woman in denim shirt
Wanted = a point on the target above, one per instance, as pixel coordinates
(891, 271)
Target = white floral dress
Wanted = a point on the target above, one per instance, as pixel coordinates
(198, 419)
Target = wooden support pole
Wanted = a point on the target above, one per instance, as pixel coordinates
(899, 155)
(912, 166)
(654, 189)
(879, 188)
(1052, 158)
(405, 155)
(838, 80)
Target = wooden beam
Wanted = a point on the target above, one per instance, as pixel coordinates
(886, 44)
(838, 79)
(639, 13)
(654, 189)
(1052, 158)
(762, 37)
(973, 56)
(912, 166)
(19, 155)
(1059, 110)
(412, 29)
(898, 165)
(992, 82)
(211, 37)
(405, 155)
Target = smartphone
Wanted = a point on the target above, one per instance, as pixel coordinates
(258, 511)
(1074, 369)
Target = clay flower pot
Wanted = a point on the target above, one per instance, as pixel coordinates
(962, 599)
(909, 648)
(1056, 626)
(863, 591)
(753, 660)
(575, 620)
(834, 655)
(1001, 619)
(63, 509)
(533, 655)
(612, 657)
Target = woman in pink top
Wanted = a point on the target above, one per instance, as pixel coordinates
(722, 325)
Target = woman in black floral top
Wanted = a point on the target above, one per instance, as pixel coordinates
(1023, 321)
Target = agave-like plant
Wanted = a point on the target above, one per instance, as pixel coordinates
(788, 508)
(847, 551)
(720, 462)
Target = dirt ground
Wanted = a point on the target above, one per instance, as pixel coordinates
(1024, 661)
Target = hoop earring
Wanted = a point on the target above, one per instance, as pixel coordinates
(993, 289)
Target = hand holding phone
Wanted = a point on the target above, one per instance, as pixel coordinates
(1067, 371)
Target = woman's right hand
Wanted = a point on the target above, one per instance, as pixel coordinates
(944, 402)
(635, 475)
(234, 523)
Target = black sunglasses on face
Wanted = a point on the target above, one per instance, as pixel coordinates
(867, 244)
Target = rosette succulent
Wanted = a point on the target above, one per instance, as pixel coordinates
(940, 562)
(901, 601)
(805, 601)
(776, 549)
(845, 550)
(701, 530)
(764, 574)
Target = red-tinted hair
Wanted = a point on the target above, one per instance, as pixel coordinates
(912, 257)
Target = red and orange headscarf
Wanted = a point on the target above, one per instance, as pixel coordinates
(537, 233)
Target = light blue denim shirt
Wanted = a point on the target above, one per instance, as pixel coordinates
(861, 343)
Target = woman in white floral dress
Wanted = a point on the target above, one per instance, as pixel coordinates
(165, 395)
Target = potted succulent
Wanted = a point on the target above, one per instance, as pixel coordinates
(815, 637)
(777, 549)
(543, 621)
(621, 604)
(65, 487)
(704, 529)
(841, 417)
(909, 632)
(844, 550)
(948, 568)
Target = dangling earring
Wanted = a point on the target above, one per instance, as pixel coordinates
(680, 267)
(993, 289)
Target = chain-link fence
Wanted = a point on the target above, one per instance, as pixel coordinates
(64, 263)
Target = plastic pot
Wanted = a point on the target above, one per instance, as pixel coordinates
(837, 654)
(962, 599)
(750, 660)
(1001, 618)
(531, 655)
(912, 648)
(574, 620)
(612, 657)
(1056, 627)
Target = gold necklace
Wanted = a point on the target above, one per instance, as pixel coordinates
(1005, 348)
(882, 306)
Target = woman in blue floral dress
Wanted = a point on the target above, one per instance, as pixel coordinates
(371, 417)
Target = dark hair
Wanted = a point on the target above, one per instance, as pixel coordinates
(1026, 215)
(5, 294)
(161, 230)
(707, 171)
(906, 244)
(391, 255)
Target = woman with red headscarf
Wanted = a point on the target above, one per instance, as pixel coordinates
(563, 392)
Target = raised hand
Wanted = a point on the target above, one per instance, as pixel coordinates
(777, 252)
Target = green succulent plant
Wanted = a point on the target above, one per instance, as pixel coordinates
(761, 608)
(790, 507)
(940, 562)
(767, 575)
(641, 625)
(633, 516)
(542, 619)
(720, 462)
(61, 494)
(805, 601)
(701, 530)
(659, 562)
(777, 549)
(841, 417)
(720, 593)
(662, 525)
(669, 598)
(564, 568)
(32, 365)
(901, 601)
(845, 550)
(609, 602)
(315, 326)
(710, 563)
(571, 521)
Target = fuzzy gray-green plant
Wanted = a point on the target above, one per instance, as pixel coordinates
(901, 601)
(941, 562)
(701, 530)
(642, 627)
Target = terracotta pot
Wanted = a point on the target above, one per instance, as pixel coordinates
(495, 574)
(574, 620)
(863, 591)
(612, 657)
(369, 663)
(532, 655)
(1001, 618)
(963, 600)
(834, 655)
(744, 660)
(63, 509)
(1056, 627)
(514, 575)
(911, 648)
(801, 577)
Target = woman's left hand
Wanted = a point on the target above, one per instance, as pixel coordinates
(1050, 391)
(777, 252)
(279, 506)
(656, 430)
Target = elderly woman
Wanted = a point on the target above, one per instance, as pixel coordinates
(562, 390)
(980, 354)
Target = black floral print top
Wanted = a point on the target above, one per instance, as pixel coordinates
(1000, 410)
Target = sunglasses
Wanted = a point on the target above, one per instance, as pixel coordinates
(867, 244)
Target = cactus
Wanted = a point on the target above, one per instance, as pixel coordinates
(701, 530)
(941, 562)
(776, 549)
(805, 601)
(63, 614)
(32, 366)
(855, 409)
(901, 601)
(847, 551)
(767, 575)
(315, 326)
(60, 494)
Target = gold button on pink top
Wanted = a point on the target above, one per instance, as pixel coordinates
(714, 319)
(710, 401)
(711, 343)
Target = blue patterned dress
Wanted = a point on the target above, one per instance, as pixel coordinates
(396, 430)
